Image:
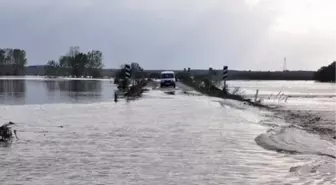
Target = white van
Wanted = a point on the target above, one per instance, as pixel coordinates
(167, 79)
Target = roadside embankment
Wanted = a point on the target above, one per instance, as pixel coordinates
(204, 87)
(320, 122)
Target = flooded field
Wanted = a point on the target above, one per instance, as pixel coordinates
(71, 132)
(38, 90)
(303, 88)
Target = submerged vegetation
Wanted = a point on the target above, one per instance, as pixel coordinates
(76, 64)
(133, 85)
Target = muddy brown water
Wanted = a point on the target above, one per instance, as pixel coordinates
(158, 139)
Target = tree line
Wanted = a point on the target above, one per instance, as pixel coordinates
(326, 73)
(12, 61)
(77, 64)
(74, 63)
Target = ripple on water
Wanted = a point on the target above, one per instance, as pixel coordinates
(321, 165)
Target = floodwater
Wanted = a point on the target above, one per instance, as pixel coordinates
(36, 90)
(293, 95)
(77, 134)
(294, 89)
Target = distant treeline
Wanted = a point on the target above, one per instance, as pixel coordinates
(232, 75)
(326, 73)
(274, 75)
(79, 64)
(76, 64)
(12, 61)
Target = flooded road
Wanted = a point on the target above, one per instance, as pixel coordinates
(159, 139)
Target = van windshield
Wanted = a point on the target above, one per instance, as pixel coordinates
(167, 75)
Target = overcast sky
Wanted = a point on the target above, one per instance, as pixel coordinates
(173, 34)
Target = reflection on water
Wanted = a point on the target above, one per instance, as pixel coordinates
(21, 91)
(12, 89)
(75, 88)
(51, 85)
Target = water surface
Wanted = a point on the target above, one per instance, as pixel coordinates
(20, 91)
(159, 139)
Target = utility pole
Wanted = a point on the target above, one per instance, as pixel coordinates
(285, 65)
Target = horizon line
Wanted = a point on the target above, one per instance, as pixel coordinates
(197, 69)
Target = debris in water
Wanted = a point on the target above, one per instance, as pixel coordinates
(170, 92)
(294, 169)
(6, 133)
(115, 97)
